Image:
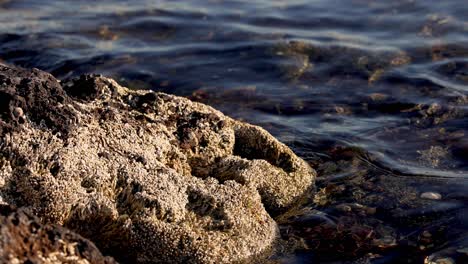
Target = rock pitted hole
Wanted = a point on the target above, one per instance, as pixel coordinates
(203, 137)
(86, 87)
(188, 129)
(206, 206)
(135, 198)
(126, 202)
(5, 99)
(199, 203)
(6, 209)
(55, 169)
(146, 100)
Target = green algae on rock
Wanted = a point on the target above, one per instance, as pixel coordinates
(148, 177)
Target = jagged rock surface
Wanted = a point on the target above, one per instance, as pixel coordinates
(148, 177)
(23, 239)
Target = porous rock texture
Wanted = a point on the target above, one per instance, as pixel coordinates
(148, 177)
(24, 239)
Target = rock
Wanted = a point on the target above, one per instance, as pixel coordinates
(18, 112)
(463, 251)
(294, 57)
(384, 242)
(25, 240)
(434, 156)
(148, 177)
(378, 96)
(439, 261)
(426, 234)
(34, 92)
(431, 196)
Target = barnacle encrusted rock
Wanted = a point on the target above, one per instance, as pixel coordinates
(24, 239)
(148, 177)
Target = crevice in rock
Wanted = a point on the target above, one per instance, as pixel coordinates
(86, 87)
(205, 206)
(104, 227)
(252, 143)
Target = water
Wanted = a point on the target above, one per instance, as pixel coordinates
(372, 93)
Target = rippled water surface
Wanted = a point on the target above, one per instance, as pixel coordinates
(372, 93)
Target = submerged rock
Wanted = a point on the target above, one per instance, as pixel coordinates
(25, 240)
(148, 177)
(431, 196)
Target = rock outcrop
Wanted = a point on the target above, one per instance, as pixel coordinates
(148, 177)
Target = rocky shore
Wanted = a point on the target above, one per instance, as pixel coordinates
(147, 177)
